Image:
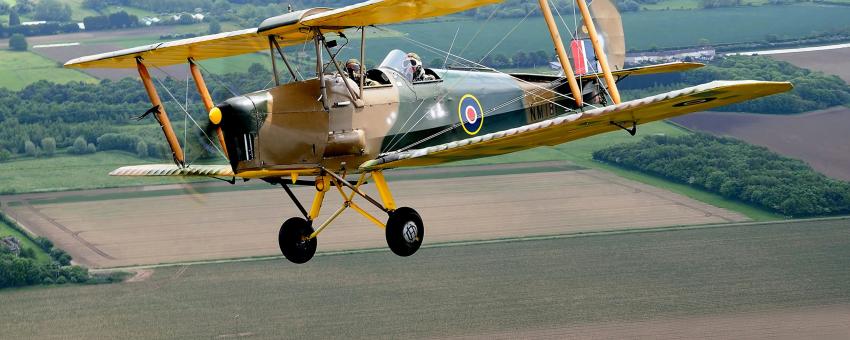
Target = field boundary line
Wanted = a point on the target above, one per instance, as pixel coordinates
(610, 232)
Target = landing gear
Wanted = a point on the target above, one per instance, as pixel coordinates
(295, 242)
(404, 231)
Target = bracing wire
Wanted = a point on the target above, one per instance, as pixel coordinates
(480, 29)
(533, 93)
(507, 35)
(186, 112)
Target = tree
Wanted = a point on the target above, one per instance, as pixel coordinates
(24, 6)
(18, 42)
(52, 10)
(96, 5)
(215, 27)
(5, 155)
(30, 149)
(48, 145)
(79, 146)
(14, 18)
(142, 149)
(91, 148)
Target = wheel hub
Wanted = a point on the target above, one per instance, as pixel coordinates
(410, 232)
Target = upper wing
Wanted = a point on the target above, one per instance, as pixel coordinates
(287, 27)
(290, 29)
(584, 124)
(381, 12)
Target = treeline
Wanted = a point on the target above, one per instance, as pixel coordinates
(45, 118)
(812, 90)
(24, 270)
(735, 170)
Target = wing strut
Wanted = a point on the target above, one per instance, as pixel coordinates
(207, 99)
(600, 52)
(161, 116)
(562, 53)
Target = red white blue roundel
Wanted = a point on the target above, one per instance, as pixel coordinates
(471, 114)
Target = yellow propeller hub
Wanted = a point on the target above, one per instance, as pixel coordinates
(215, 115)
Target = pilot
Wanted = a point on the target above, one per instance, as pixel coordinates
(352, 67)
(416, 68)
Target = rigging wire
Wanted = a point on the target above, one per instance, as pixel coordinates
(533, 93)
(507, 35)
(186, 111)
(480, 29)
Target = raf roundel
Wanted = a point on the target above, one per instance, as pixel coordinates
(471, 114)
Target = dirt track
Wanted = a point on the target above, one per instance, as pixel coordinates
(177, 228)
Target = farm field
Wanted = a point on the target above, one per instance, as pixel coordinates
(18, 69)
(219, 225)
(644, 30)
(829, 62)
(71, 172)
(774, 280)
(818, 138)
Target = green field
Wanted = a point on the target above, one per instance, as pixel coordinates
(78, 12)
(40, 255)
(511, 286)
(64, 172)
(643, 29)
(19, 69)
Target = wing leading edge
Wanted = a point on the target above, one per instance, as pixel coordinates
(584, 124)
(289, 29)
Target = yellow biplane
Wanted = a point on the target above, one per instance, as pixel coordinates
(346, 120)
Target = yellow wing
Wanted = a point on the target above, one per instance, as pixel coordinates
(584, 124)
(173, 170)
(382, 12)
(290, 29)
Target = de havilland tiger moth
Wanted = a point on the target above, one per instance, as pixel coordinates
(349, 121)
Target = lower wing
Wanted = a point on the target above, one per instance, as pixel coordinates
(584, 124)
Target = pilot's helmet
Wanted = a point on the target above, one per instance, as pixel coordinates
(352, 65)
(415, 64)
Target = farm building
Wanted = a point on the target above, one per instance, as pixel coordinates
(12, 244)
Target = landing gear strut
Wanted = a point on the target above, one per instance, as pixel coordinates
(404, 228)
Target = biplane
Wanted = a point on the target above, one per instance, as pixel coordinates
(336, 124)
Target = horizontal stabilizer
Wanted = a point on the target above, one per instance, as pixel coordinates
(579, 125)
(174, 170)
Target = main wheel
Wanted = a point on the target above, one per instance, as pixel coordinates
(405, 231)
(294, 240)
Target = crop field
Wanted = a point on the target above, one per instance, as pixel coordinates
(70, 172)
(775, 280)
(818, 138)
(172, 228)
(835, 62)
(645, 29)
(18, 69)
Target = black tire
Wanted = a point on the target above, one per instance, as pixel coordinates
(405, 231)
(292, 240)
